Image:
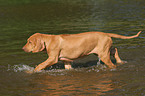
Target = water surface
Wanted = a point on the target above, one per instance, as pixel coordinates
(20, 19)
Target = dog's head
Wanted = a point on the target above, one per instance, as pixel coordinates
(34, 43)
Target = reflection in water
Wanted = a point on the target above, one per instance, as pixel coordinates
(95, 80)
(73, 83)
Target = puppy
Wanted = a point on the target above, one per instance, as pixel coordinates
(68, 47)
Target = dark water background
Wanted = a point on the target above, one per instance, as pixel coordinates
(21, 18)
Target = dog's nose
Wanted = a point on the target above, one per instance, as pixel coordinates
(23, 48)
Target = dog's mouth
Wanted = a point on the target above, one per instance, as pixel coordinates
(25, 49)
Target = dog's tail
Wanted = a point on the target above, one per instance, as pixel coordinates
(121, 36)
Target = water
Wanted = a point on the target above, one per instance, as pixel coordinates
(20, 19)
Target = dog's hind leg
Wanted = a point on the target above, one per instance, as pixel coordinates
(118, 60)
(106, 59)
(114, 53)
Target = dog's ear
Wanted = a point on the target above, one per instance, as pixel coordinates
(39, 44)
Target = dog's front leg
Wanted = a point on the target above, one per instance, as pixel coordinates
(50, 61)
(67, 65)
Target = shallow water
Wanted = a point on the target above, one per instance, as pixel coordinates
(19, 20)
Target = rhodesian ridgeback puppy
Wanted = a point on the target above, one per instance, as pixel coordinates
(68, 47)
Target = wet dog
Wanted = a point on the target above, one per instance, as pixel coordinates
(68, 47)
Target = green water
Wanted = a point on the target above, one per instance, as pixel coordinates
(21, 19)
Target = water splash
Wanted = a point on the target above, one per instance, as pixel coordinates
(20, 68)
(97, 68)
(55, 72)
(30, 70)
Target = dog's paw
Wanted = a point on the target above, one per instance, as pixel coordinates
(122, 62)
(29, 71)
